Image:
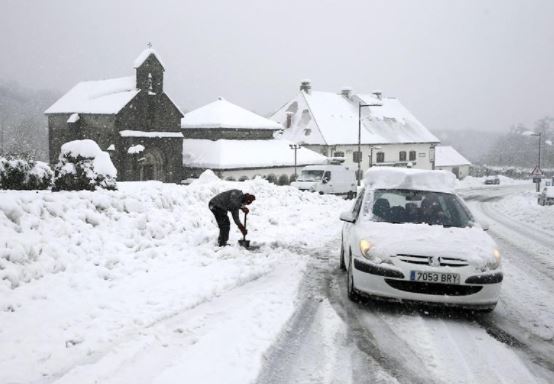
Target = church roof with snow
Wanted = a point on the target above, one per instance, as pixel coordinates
(224, 114)
(103, 96)
(145, 55)
(328, 118)
(232, 154)
(447, 156)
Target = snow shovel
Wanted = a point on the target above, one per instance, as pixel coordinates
(244, 243)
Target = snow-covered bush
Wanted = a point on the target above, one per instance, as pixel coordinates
(23, 174)
(272, 178)
(283, 180)
(83, 165)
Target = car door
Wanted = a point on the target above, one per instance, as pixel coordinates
(348, 228)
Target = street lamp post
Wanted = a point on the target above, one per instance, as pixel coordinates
(295, 147)
(359, 155)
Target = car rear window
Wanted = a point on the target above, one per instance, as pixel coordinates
(419, 207)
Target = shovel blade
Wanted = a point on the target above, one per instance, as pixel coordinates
(244, 243)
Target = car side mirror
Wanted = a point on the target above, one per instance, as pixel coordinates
(325, 180)
(348, 217)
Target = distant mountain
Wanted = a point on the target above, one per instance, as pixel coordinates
(23, 126)
(474, 145)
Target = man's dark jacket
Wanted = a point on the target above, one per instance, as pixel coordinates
(231, 201)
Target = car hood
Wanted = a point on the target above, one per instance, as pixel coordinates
(471, 243)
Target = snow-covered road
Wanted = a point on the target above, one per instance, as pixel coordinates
(171, 309)
(332, 340)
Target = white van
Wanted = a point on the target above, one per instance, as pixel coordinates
(327, 179)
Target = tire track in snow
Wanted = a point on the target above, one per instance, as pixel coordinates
(528, 263)
(350, 358)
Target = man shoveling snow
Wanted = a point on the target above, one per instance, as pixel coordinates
(229, 201)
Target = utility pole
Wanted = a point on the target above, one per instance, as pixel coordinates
(295, 147)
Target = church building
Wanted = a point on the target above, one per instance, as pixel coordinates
(131, 117)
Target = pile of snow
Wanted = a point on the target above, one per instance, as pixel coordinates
(523, 207)
(89, 271)
(83, 165)
(476, 182)
(406, 178)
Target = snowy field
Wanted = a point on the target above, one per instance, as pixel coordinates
(83, 274)
(128, 287)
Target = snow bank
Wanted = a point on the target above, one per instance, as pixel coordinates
(477, 182)
(82, 272)
(405, 178)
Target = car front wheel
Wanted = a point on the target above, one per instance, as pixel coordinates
(353, 294)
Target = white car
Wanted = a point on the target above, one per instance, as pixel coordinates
(546, 197)
(409, 237)
(327, 179)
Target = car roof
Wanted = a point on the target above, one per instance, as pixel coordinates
(411, 179)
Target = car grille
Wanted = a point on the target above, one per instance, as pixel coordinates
(433, 288)
(440, 261)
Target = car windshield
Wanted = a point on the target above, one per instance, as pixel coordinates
(310, 175)
(410, 206)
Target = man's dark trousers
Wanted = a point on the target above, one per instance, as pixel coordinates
(223, 224)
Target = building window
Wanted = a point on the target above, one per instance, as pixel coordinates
(402, 156)
(338, 154)
(380, 157)
(412, 155)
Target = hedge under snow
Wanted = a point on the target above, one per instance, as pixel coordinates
(84, 166)
(22, 174)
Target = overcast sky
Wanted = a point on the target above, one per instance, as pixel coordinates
(456, 64)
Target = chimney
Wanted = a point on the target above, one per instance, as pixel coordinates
(306, 86)
(346, 92)
(288, 124)
(378, 94)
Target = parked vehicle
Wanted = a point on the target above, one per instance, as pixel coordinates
(492, 180)
(327, 179)
(409, 237)
(546, 197)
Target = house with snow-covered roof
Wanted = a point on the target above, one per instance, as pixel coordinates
(328, 123)
(130, 117)
(238, 144)
(449, 159)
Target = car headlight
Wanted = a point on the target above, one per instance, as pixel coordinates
(497, 258)
(365, 248)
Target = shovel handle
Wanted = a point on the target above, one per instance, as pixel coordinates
(244, 236)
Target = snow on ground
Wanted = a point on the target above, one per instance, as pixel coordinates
(88, 277)
(524, 232)
(478, 182)
(523, 207)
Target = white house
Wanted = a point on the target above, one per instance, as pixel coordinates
(328, 123)
(238, 144)
(448, 159)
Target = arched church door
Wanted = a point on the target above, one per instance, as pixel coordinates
(151, 166)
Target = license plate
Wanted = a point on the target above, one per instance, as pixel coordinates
(435, 277)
